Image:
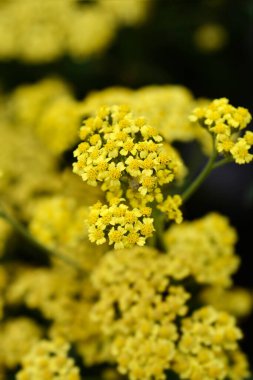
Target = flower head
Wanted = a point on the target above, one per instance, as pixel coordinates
(226, 122)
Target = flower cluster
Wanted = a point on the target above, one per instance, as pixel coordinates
(58, 223)
(126, 155)
(49, 360)
(207, 340)
(124, 227)
(47, 30)
(13, 332)
(144, 310)
(225, 123)
(204, 249)
(67, 307)
(137, 308)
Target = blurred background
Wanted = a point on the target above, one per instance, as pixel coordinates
(205, 45)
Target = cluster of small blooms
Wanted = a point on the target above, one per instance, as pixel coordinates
(29, 114)
(207, 339)
(225, 123)
(142, 308)
(237, 365)
(126, 156)
(236, 301)
(61, 118)
(53, 222)
(124, 227)
(171, 208)
(204, 249)
(29, 101)
(137, 308)
(27, 164)
(43, 31)
(58, 223)
(18, 335)
(48, 359)
(50, 109)
(67, 306)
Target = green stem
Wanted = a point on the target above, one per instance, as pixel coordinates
(17, 226)
(222, 162)
(201, 177)
(159, 221)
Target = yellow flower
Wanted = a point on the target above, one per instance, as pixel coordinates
(240, 152)
(204, 249)
(171, 208)
(137, 169)
(138, 308)
(225, 123)
(123, 227)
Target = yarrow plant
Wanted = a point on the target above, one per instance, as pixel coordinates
(112, 280)
(126, 155)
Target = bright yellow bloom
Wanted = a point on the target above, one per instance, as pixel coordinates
(136, 168)
(122, 226)
(225, 123)
(240, 152)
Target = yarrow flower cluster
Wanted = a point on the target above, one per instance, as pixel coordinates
(16, 330)
(145, 311)
(204, 249)
(67, 307)
(126, 156)
(49, 360)
(225, 123)
(138, 307)
(48, 30)
(124, 227)
(207, 346)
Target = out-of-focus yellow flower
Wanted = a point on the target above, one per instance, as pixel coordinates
(18, 335)
(210, 37)
(137, 308)
(58, 222)
(203, 249)
(40, 32)
(65, 299)
(48, 359)
(236, 301)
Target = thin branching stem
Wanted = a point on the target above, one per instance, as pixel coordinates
(201, 177)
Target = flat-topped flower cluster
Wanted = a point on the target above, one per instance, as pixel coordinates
(225, 122)
(125, 154)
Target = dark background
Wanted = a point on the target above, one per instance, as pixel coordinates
(162, 51)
